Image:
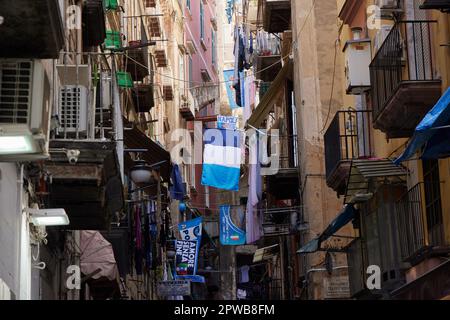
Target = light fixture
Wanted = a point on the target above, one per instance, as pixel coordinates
(16, 144)
(48, 217)
(141, 172)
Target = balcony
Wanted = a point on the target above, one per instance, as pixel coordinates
(277, 221)
(31, 29)
(347, 138)
(143, 97)
(84, 161)
(415, 245)
(404, 84)
(284, 185)
(186, 111)
(268, 56)
(137, 53)
(94, 27)
(275, 15)
(136, 62)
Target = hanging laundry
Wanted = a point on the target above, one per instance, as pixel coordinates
(231, 91)
(177, 188)
(236, 58)
(242, 87)
(138, 257)
(254, 217)
(244, 274)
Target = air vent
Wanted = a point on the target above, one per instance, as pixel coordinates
(73, 110)
(15, 85)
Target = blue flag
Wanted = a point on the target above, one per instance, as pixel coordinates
(230, 234)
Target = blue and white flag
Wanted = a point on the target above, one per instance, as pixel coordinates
(222, 159)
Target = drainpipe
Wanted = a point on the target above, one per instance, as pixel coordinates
(118, 121)
(19, 291)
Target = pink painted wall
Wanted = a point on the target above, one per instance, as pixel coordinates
(203, 58)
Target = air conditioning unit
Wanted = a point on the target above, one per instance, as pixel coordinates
(357, 60)
(24, 110)
(73, 108)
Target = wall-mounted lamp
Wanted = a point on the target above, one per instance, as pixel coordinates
(141, 172)
(48, 217)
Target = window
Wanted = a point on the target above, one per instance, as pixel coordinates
(433, 202)
(202, 21)
(213, 47)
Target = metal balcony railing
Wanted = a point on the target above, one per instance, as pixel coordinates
(85, 99)
(347, 138)
(405, 55)
(278, 221)
(288, 152)
(356, 266)
(410, 222)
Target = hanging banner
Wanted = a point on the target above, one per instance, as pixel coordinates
(227, 123)
(231, 233)
(191, 230)
(231, 92)
(186, 257)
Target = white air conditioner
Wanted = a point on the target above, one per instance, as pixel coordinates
(73, 109)
(24, 110)
(357, 60)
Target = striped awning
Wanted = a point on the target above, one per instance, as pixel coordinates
(266, 253)
(364, 171)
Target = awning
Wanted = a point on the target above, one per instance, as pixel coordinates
(364, 171)
(266, 103)
(136, 139)
(343, 218)
(443, 5)
(432, 134)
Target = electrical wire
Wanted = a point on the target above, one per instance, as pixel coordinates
(208, 85)
(332, 88)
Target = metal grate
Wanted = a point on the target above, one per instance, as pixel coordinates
(73, 114)
(15, 91)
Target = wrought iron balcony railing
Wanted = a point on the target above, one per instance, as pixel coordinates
(412, 224)
(403, 80)
(347, 138)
